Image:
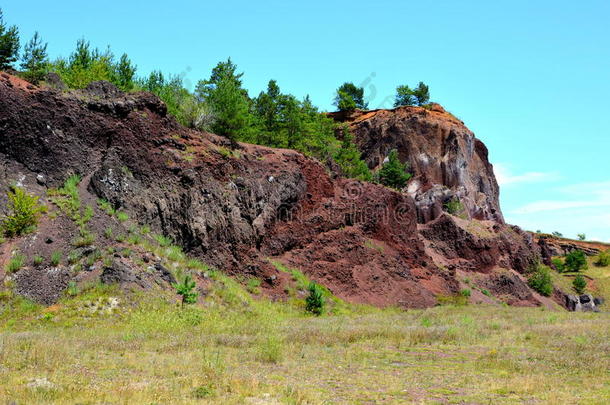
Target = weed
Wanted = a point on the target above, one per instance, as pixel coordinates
(108, 233)
(24, 213)
(55, 258)
(106, 207)
(38, 260)
(122, 216)
(15, 263)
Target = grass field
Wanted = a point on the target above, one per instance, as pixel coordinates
(239, 350)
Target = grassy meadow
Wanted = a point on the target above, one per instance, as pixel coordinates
(107, 346)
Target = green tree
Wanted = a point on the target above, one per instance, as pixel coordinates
(422, 94)
(348, 157)
(229, 101)
(404, 96)
(315, 301)
(186, 290)
(125, 73)
(9, 44)
(540, 281)
(407, 96)
(579, 283)
(582, 236)
(24, 212)
(35, 59)
(576, 260)
(350, 97)
(393, 173)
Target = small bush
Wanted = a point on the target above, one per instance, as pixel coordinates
(486, 292)
(186, 290)
(465, 292)
(24, 212)
(315, 301)
(454, 206)
(603, 259)
(582, 236)
(576, 261)
(558, 264)
(579, 283)
(108, 232)
(540, 281)
(38, 260)
(15, 263)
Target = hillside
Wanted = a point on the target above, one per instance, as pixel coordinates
(250, 209)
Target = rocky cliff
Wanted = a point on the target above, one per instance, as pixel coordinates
(243, 210)
(447, 160)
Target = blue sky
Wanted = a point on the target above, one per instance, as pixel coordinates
(530, 78)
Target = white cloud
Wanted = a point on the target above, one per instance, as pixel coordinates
(506, 177)
(589, 195)
(573, 209)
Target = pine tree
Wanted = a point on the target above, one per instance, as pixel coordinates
(422, 94)
(125, 73)
(348, 157)
(404, 96)
(229, 101)
(9, 44)
(35, 59)
(185, 289)
(350, 97)
(315, 302)
(393, 173)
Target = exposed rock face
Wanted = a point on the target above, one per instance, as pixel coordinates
(240, 210)
(447, 160)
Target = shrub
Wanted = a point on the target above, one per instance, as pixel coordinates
(15, 263)
(454, 206)
(486, 292)
(24, 212)
(576, 261)
(582, 236)
(603, 259)
(558, 264)
(540, 281)
(38, 260)
(465, 292)
(579, 283)
(315, 301)
(393, 173)
(185, 289)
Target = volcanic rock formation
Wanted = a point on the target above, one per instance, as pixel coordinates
(243, 210)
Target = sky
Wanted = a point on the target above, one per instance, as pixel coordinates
(530, 78)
